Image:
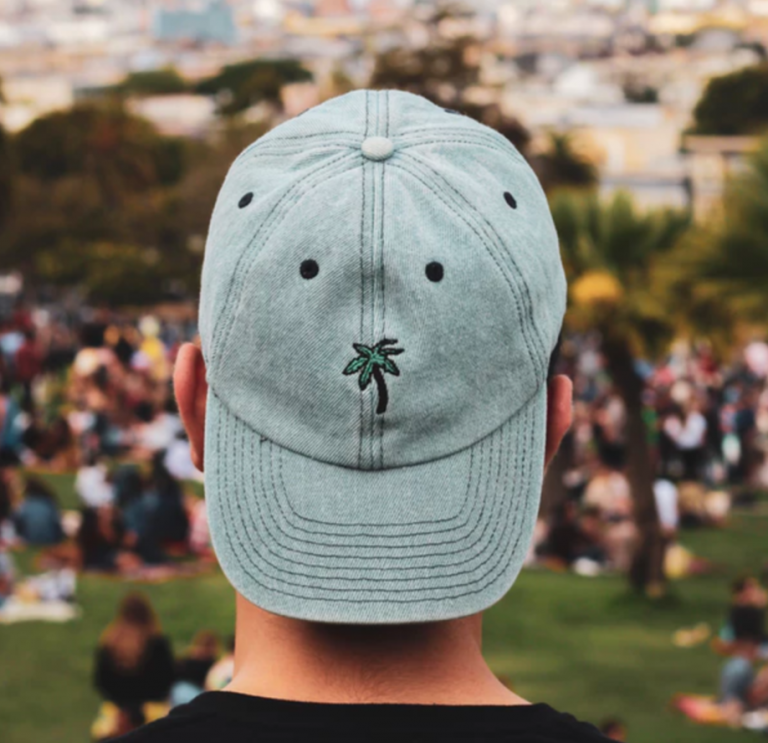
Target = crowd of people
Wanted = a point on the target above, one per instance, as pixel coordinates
(707, 430)
(138, 676)
(90, 392)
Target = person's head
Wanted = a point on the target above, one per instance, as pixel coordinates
(747, 591)
(133, 627)
(375, 400)
(205, 644)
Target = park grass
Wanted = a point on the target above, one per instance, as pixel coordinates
(584, 645)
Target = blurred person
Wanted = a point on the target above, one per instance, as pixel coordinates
(28, 363)
(134, 661)
(37, 519)
(223, 670)
(103, 541)
(7, 573)
(689, 435)
(193, 667)
(745, 429)
(167, 511)
(563, 541)
(744, 636)
(667, 496)
(609, 434)
(333, 479)
(608, 492)
(92, 483)
(11, 425)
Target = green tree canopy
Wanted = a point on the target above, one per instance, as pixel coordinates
(240, 86)
(731, 260)
(166, 81)
(122, 152)
(734, 104)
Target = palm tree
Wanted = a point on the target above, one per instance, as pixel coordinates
(732, 261)
(616, 258)
(373, 363)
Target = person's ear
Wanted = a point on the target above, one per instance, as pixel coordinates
(191, 388)
(559, 413)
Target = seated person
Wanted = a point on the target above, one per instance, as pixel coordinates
(746, 617)
(37, 519)
(103, 541)
(193, 668)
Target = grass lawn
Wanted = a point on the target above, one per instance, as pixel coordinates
(584, 645)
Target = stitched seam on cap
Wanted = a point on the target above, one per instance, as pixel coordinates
(487, 490)
(494, 233)
(282, 572)
(217, 341)
(237, 279)
(362, 290)
(306, 519)
(489, 139)
(519, 303)
(359, 599)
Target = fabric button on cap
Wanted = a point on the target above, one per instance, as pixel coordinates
(378, 148)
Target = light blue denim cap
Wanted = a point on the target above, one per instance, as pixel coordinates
(381, 294)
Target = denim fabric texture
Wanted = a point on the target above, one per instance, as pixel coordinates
(382, 290)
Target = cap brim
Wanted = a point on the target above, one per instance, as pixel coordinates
(430, 542)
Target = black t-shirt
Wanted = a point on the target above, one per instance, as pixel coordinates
(224, 717)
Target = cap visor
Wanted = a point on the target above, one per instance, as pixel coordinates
(430, 542)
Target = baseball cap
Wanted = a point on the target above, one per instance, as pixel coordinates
(381, 293)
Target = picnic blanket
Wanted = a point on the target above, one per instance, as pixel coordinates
(15, 610)
(699, 708)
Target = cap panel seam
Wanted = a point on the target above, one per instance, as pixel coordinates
(233, 279)
(441, 134)
(362, 287)
(237, 279)
(492, 230)
(382, 418)
(518, 300)
(266, 140)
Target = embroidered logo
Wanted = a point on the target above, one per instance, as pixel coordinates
(373, 363)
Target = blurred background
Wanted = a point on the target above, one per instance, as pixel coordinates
(642, 608)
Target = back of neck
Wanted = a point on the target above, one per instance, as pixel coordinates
(439, 663)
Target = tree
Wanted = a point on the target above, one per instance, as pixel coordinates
(166, 81)
(563, 165)
(373, 363)
(734, 104)
(731, 263)
(242, 85)
(123, 153)
(615, 258)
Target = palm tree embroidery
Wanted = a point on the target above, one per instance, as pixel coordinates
(373, 363)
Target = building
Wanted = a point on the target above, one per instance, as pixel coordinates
(210, 23)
